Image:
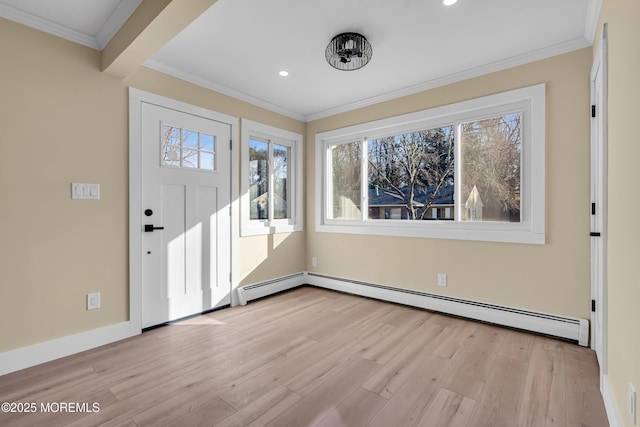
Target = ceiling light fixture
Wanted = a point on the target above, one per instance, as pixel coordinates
(449, 2)
(348, 52)
(283, 73)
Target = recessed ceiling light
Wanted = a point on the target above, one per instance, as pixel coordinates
(449, 2)
(283, 73)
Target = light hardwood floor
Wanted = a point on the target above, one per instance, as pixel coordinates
(312, 357)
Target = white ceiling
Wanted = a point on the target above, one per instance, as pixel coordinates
(238, 47)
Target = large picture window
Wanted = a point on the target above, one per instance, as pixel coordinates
(272, 168)
(472, 170)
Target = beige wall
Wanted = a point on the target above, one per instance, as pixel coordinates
(551, 278)
(63, 121)
(624, 177)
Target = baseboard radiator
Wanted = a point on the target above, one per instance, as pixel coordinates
(569, 328)
(263, 289)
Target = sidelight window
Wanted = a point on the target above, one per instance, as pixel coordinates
(272, 179)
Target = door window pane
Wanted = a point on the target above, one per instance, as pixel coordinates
(206, 161)
(189, 158)
(170, 146)
(189, 139)
(491, 167)
(171, 136)
(206, 142)
(187, 149)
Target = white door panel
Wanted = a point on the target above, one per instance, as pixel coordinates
(172, 240)
(186, 264)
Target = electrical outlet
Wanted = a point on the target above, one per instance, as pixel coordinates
(93, 301)
(632, 403)
(442, 279)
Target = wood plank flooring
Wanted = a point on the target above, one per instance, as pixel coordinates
(313, 357)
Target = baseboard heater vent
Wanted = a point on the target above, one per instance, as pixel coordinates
(263, 289)
(574, 329)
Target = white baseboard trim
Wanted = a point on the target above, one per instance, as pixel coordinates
(610, 402)
(21, 358)
(262, 289)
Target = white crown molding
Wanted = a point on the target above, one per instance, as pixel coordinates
(525, 58)
(98, 42)
(119, 16)
(593, 16)
(24, 18)
(514, 61)
(165, 69)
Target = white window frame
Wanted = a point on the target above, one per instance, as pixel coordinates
(530, 101)
(294, 141)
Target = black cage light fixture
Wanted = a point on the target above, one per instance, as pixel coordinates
(348, 51)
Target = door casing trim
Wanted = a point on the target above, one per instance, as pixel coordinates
(600, 62)
(136, 98)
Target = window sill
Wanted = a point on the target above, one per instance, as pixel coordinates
(486, 232)
(265, 229)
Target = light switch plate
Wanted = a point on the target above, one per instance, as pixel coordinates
(82, 191)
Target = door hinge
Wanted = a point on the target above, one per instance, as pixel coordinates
(231, 144)
(593, 208)
(229, 210)
(593, 111)
(230, 277)
(593, 305)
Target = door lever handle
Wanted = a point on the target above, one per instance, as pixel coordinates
(149, 228)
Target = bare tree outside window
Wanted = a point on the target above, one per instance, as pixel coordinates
(281, 156)
(473, 170)
(414, 168)
(259, 179)
(346, 169)
(491, 163)
(411, 176)
(269, 177)
(187, 149)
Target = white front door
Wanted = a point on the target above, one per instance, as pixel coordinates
(599, 203)
(186, 196)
